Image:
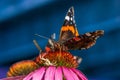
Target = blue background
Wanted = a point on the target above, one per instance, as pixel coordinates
(21, 19)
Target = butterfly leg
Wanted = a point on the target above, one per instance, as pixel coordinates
(79, 59)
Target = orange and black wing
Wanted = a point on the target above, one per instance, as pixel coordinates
(70, 37)
(68, 29)
(84, 41)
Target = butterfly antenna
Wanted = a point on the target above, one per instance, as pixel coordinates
(50, 40)
(42, 36)
(37, 46)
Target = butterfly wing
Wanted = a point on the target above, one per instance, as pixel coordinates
(84, 41)
(68, 29)
(70, 37)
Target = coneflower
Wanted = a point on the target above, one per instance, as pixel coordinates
(57, 65)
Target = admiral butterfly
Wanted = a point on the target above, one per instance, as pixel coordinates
(70, 39)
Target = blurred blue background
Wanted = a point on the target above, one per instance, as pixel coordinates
(21, 19)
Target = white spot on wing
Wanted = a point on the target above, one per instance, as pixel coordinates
(96, 37)
(69, 10)
(67, 18)
(71, 18)
(87, 34)
(82, 48)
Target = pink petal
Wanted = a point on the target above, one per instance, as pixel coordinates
(80, 74)
(28, 77)
(50, 73)
(58, 74)
(67, 74)
(74, 75)
(36, 75)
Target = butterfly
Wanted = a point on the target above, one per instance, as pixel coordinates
(70, 39)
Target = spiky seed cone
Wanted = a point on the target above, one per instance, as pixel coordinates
(22, 68)
(57, 58)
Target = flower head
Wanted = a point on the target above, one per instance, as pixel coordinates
(22, 68)
(57, 58)
(56, 73)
